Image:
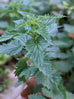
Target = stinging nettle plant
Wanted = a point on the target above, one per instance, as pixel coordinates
(34, 35)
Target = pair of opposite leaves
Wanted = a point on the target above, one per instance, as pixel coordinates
(31, 82)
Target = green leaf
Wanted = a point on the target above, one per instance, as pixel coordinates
(48, 28)
(22, 39)
(18, 21)
(48, 81)
(36, 49)
(43, 32)
(54, 52)
(72, 77)
(65, 4)
(69, 28)
(73, 49)
(37, 88)
(71, 82)
(8, 36)
(63, 36)
(4, 72)
(5, 37)
(45, 68)
(63, 44)
(69, 95)
(63, 66)
(22, 70)
(6, 82)
(46, 92)
(3, 24)
(35, 96)
(1, 88)
(12, 48)
(27, 72)
(52, 29)
(20, 66)
(71, 86)
(56, 93)
(3, 58)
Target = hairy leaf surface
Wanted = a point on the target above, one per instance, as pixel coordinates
(36, 49)
(12, 48)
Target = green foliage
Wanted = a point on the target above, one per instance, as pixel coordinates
(3, 58)
(1, 88)
(36, 49)
(69, 95)
(62, 56)
(35, 40)
(73, 49)
(6, 82)
(54, 93)
(31, 6)
(71, 85)
(55, 52)
(35, 35)
(69, 28)
(63, 44)
(12, 48)
(48, 81)
(3, 38)
(63, 66)
(3, 72)
(36, 97)
(3, 24)
(37, 88)
(22, 70)
(3, 80)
